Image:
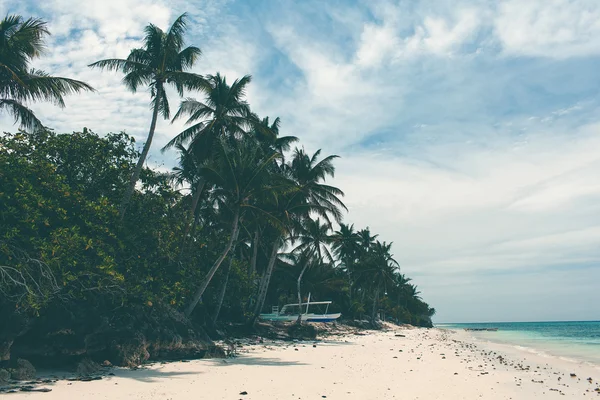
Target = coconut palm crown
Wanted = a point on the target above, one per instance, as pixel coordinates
(162, 61)
(22, 41)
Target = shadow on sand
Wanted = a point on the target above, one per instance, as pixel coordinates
(150, 375)
(249, 360)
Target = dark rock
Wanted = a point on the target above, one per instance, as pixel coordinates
(133, 335)
(89, 378)
(4, 376)
(33, 389)
(87, 367)
(106, 363)
(5, 346)
(302, 332)
(243, 393)
(24, 371)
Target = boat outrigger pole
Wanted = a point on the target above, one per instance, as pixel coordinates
(307, 303)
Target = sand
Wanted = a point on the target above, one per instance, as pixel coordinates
(421, 364)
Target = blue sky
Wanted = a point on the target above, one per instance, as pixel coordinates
(468, 130)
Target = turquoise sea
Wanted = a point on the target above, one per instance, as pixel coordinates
(579, 341)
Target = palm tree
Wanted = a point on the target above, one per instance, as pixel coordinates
(314, 241)
(267, 134)
(345, 243)
(309, 173)
(304, 194)
(162, 61)
(240, 173)
(224, 114)
(376, 270)
(346, 247)
(365, 239)
(22, 41)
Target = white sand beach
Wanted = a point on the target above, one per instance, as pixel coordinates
(400, 363)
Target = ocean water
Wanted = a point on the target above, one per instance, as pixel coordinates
(577, 341)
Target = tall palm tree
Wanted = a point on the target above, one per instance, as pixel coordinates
(240, 173)
(346, 247)
(223, 114)
(305, 194)
(365, 239)
(162, 61)
(310, 174)
(376, 270)
(313, 249)
(267, 135)
(22, 41)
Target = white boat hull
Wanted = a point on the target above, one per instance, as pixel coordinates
(305, 317)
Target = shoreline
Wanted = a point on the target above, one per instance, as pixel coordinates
(401, 362)
(549, 346)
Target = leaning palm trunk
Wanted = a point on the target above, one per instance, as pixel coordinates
(374, 310)
(254, 253)
(192, 219)
(223, 288)
(138, 168)
(232, 238)
(264, 284)
(299, 320)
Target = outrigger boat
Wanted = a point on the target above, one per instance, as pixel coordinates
(290, 312)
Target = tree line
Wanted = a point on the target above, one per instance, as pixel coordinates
(244, 221)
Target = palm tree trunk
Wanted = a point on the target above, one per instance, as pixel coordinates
(374, 311)
(200, 291)
(192, 218)
(254, 253)
(264, 284)
(138, 168)
(299, 320)
(224, 287)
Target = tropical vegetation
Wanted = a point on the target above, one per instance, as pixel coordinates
(243, 222)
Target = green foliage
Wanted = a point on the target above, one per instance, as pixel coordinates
(234, 200)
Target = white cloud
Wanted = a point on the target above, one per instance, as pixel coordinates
(549, 28)
(113, 19)
(437, 35)
(512, 209)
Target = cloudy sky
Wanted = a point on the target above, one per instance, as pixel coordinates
(469, 130)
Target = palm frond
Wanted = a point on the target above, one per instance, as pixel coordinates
(21, 40)
(175, 34)
(118, 64)
(187, 57)
(41, 86)
(163, 103)
(136, 78)
(21, 114)
(153, 44)
(187, 80)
